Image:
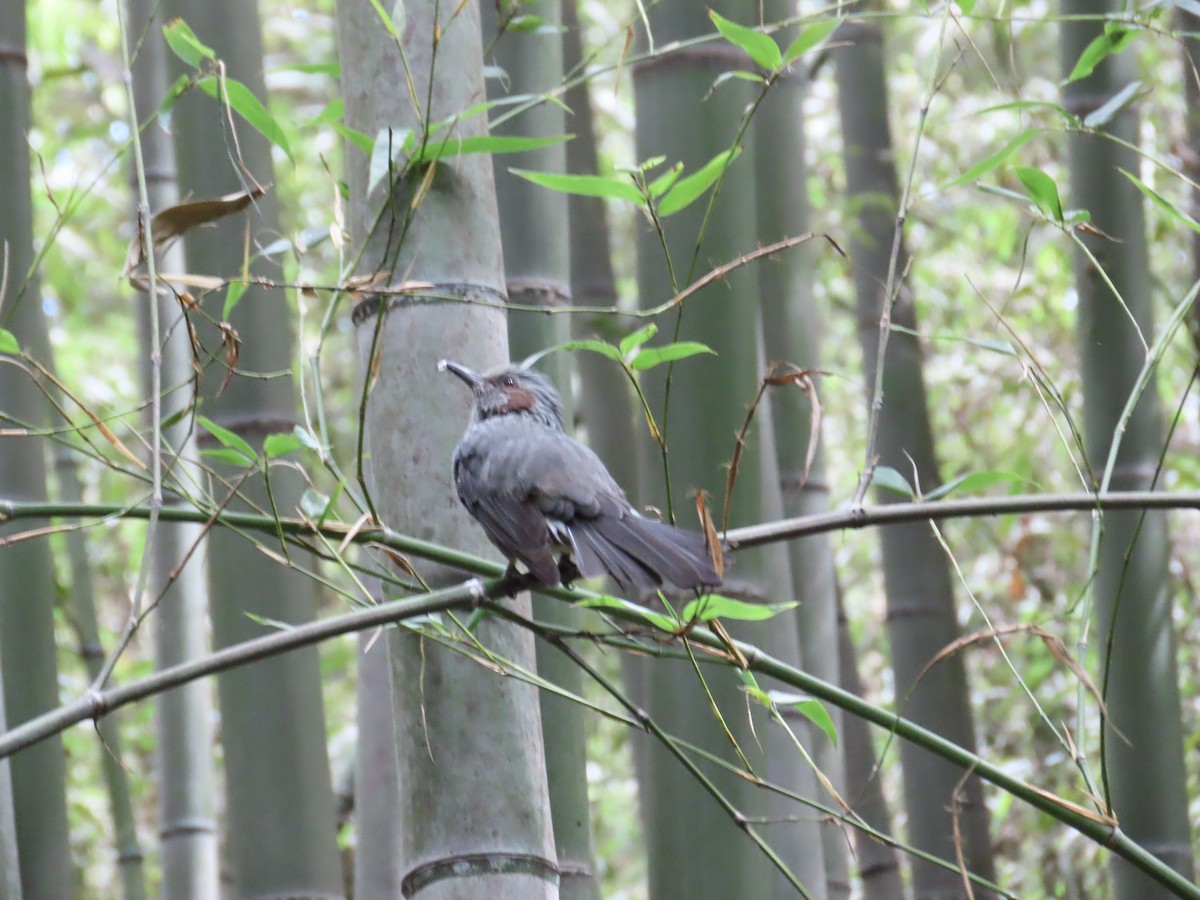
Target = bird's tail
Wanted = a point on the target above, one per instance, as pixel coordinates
(641, 553)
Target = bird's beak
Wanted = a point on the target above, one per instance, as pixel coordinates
(471, 377)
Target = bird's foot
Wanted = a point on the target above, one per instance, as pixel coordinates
(568, 571)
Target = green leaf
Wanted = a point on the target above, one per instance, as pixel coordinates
(585, 185)
(184, 43)
(225, 455)
(967, 6)
(1114, 105)
(436, 149)
(269, 623)
(737, 75)
(389, 143)
(228, 439)
(306, 438)
(890, 480)
(276, 445)
(313, 503)
(712, 606)
(332, 69)
(997, 159)
(233, 296)
(758, 46)
(1042, 191)
(653, 356)
(333, 112)
(362, 141)
(809, 707)
(389, 20)
(815, 34)
(242, 100)
(1116, 38)
(1161, 202)
(687, 190)
(604, 349)
(660, 184)
(604, 601)
(9, 343)
(637, 338)
(973, 481)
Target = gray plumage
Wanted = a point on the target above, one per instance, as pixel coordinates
(537, 491)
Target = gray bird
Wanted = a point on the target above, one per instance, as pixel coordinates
(536, 490)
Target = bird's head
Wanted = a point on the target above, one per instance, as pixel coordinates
(509, 391)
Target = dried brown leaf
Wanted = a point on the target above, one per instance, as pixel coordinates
(183, 217)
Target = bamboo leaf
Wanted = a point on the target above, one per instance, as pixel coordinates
(663, 182)
(226, 455)
(815, 34)
(243, 102)
(484, 143)
(585, 185)
(890, 480)
(313, 503)
(1042, 190)
(9, 343)
(1112, 107)
(687, 190)
(973, 481)
(276, 445)
(637, 338)
(389, 143)
(595, 346)
(233, 296)
(1116, 38)
(184, 43)
(997, 159)
(758, 46)
(712, 606)
(809, 707)
(228, 439)
(604, 601)
(1161, 202)
(653, 356)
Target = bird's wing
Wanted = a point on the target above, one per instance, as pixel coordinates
(512, 522)
(567, 481)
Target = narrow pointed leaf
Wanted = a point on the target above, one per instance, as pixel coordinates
(1115, 39)
(243, 102)
(637, 338)
(890, 480)
(973, 481)
(758, 46)
(9, 343)
(228, 438)
(997, 159)
(276, 445)
(184, 43)
(1162, 202)
(687, 190)
(1042, 190)
(714, 606)
(585, 185)
(809, 707)
(812, 36)
(653, 356)
(1115, 105)
(438, 148)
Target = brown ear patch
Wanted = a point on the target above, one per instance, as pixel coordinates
(519, 400)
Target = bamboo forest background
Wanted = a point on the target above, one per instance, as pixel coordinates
(898, 295)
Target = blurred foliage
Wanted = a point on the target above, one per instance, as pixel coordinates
(986, 271)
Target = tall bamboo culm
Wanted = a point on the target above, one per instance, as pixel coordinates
(27, 648)
(1133, 632)
(472, 771)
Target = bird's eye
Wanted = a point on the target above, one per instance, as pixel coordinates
(509, 381)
